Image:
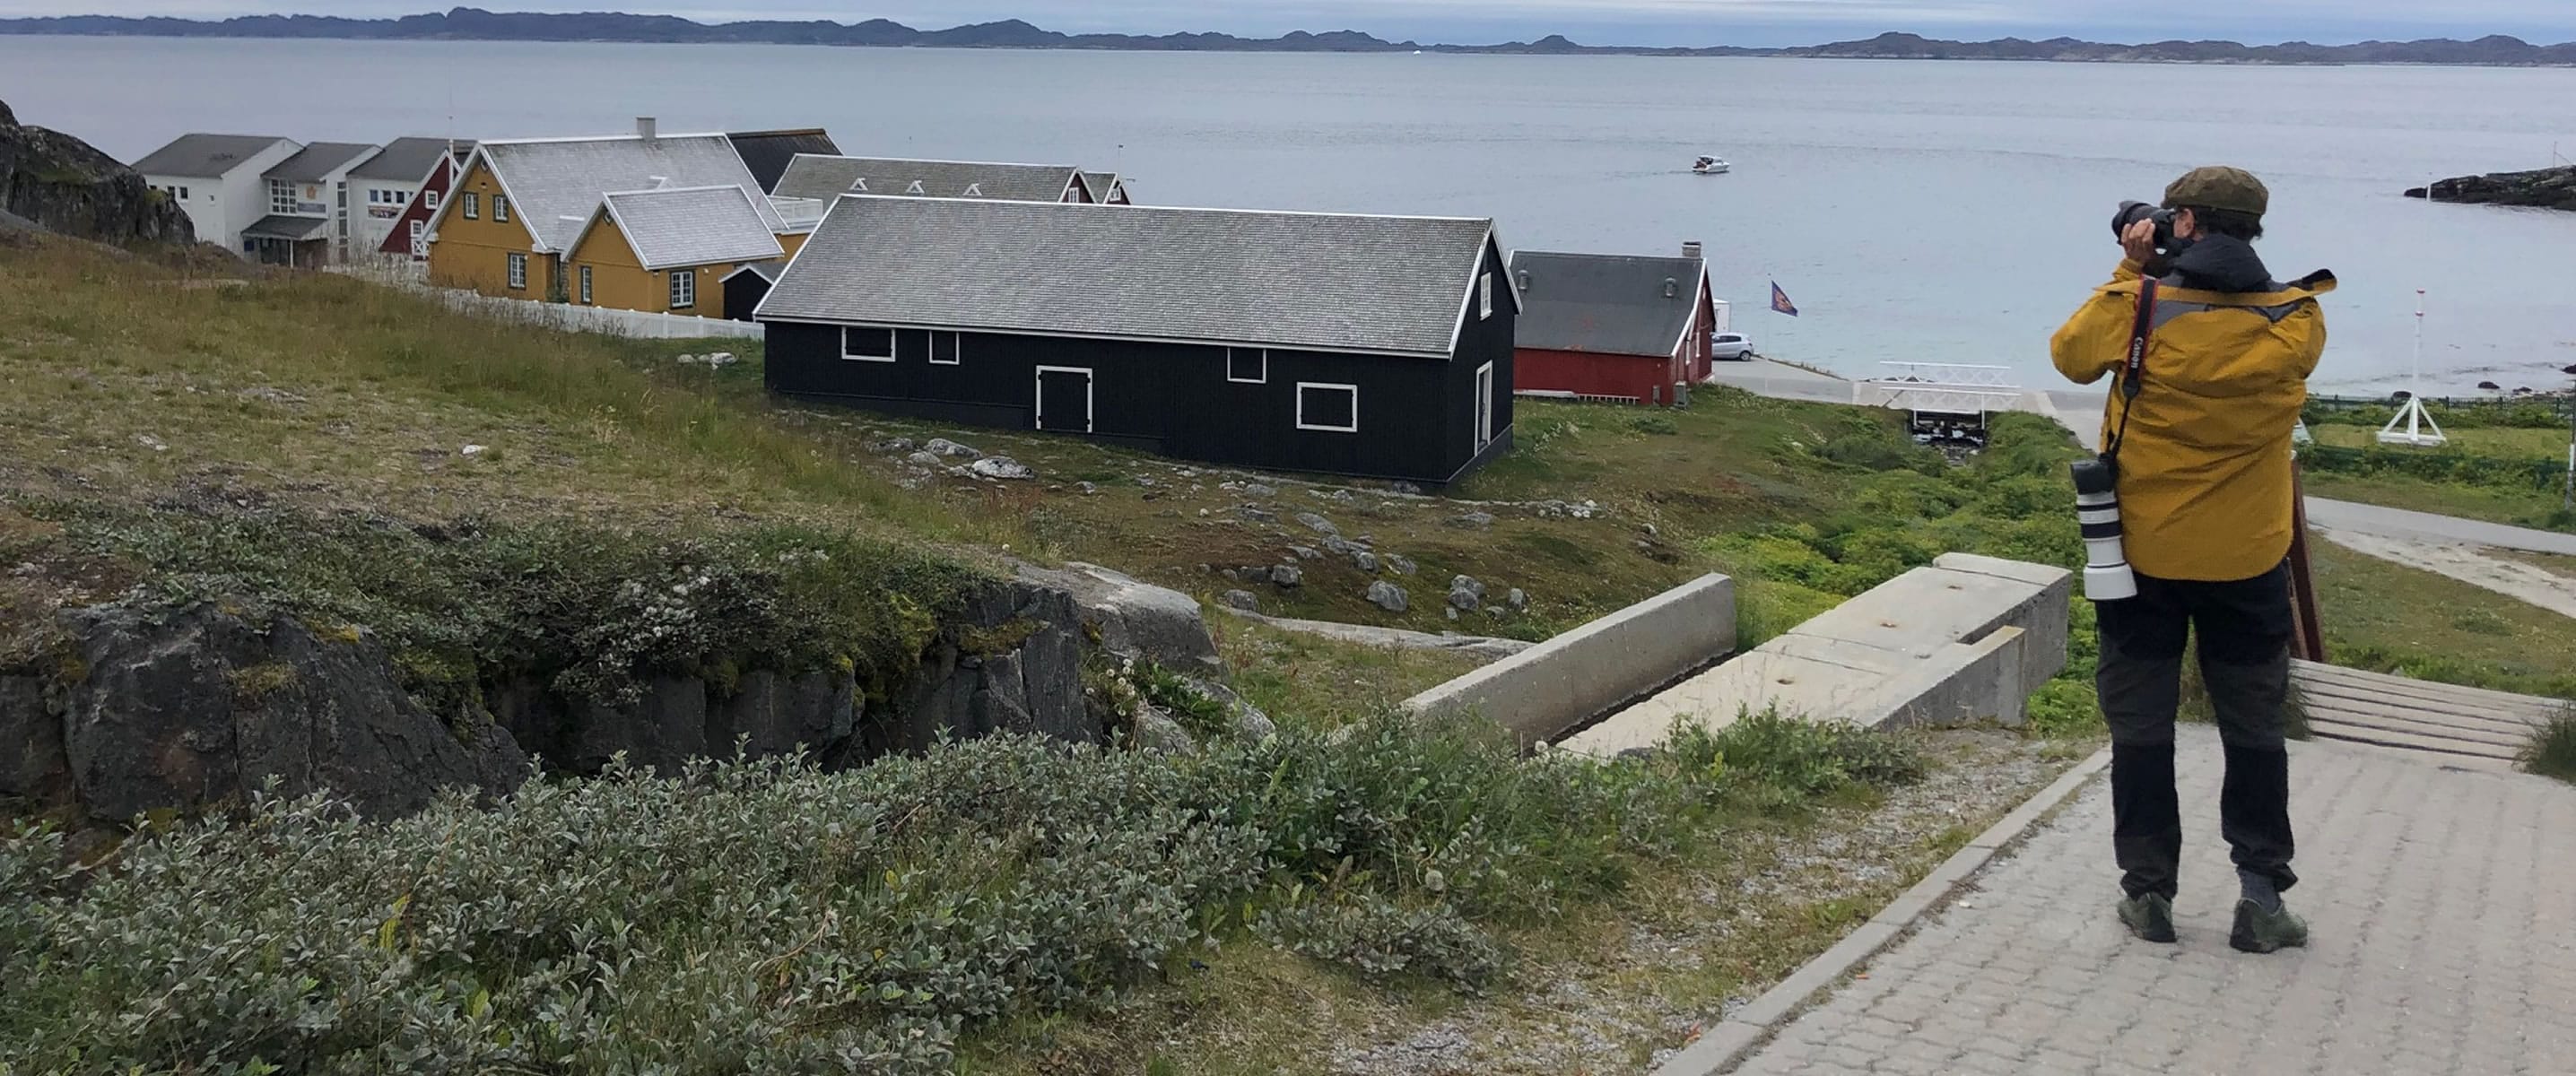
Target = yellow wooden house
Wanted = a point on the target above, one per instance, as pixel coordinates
(668, 251)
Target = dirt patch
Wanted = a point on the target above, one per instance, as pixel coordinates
(2474, 565)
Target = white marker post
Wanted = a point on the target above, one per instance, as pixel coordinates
(2421, 430)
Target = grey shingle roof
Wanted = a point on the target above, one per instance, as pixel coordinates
(767, 271)
(295, 228)
(555, 184)
(1604, 303)
(404, 160)
(1294, 280)
(316, 161)
(1098, 184)
(766, 153)
(206, 155)
(810, 176)
(692, 226)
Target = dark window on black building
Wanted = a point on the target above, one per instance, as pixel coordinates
(1331, 408)
(1247, 364)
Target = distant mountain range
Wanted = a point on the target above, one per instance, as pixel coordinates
(474, 24)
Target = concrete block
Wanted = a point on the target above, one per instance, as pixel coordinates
(1561, 683)
(2042, 617)
(1962, 682)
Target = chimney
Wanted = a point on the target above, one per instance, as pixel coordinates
(1691, 249)
(645, 128)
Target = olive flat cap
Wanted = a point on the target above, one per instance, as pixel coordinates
(2220, 187)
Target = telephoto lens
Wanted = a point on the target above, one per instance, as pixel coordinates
(2097, 506)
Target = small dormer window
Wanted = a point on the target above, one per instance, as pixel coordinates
(858, 186)
(974, 190)
(915, 188)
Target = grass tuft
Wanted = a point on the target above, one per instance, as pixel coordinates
(2553, 749)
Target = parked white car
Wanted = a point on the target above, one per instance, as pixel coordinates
(1730, 346)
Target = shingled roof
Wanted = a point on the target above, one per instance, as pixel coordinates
(405, 160)
(811, 176)
(555, 184)
(766, 153)
(315, 162)
(205, 155)
(1326, 282)
(1610, 304)
(691, 226)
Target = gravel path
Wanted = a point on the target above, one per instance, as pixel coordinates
(2471, 564)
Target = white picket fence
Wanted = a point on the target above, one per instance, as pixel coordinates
(639, 324)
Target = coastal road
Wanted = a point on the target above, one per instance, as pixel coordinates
(2427, 527)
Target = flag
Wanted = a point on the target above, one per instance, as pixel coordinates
(1780, 301)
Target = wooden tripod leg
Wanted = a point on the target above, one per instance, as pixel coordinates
(2307, 641)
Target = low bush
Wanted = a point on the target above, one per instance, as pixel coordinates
(2552, 752)
(2457, 468)
(2527, 414)
(765, 917)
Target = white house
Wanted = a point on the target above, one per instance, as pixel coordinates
(308, 207)
(220, 180)
(387, 184)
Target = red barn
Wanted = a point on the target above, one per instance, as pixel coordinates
(1614, 326)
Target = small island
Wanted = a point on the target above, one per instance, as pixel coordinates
(2546, 188)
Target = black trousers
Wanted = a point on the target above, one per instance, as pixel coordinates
(2243, 628)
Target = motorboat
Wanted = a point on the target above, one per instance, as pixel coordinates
(1710, 166)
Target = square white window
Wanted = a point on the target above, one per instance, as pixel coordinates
(1247, 365)
(1485, 296)
(281, 197)
(943, 349)
(429, 199)
(518, 272)
(867, 345)
(1329, 408)
(684, 288)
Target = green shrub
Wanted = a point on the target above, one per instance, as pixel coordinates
(1799, 757)
(2457, 468)
(2552, 752)
(1654, 425)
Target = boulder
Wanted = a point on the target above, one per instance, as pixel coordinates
(1239, 599)
(1388, 596)
(1011, 662)
(923, 459)
(1400, 564)
(1156, 731)
(1256, 489)
(1365, 560)
(1305, 553)
(2547, 188)
(1472, 520)
(1318, 524)
(941, 446)
(891, 445)
(1134, 619)
(1466, 594)
(1516, 599)
(1288, 576)
(1002, 467)
(65, 185)
(201, 707)
(1243, 719)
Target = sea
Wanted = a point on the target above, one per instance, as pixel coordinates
(1914, 211)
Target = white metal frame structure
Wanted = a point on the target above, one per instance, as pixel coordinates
(2421, 431)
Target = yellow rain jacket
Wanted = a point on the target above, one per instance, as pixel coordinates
(2205, 469)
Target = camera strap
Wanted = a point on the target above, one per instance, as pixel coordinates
(2133, 372)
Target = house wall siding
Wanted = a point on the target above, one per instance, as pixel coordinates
(1643, 378)
(619, 280)
(474, 254)
(397, 237)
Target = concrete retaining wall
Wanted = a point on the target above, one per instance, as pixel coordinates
(1967, 638)
(1565, 681)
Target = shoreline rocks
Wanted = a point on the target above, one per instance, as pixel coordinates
(2545, 188)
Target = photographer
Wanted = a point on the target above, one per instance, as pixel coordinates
(2210, 358)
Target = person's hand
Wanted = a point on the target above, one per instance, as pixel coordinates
(2139, 242)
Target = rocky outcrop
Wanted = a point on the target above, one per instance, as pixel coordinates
(2547, 188)
(195, 710)
(1133, 619)
(65, 185)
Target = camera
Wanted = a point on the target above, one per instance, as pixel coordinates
(2132, 212)
(2107, 576)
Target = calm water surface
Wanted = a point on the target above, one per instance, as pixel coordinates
(1934, 211)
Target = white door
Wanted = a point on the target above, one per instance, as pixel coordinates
(419, 239)
(1484, 406)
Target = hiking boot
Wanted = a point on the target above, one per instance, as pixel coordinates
(2260, 931)
(2150, 917)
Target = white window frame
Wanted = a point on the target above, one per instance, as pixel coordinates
(518, 271)
(1037, 396)
(855, 356)
(500, 209)
(684, 289)
(1354, 391)
(281, 198)
(1484, 412)
(473, 207)
(1484, 296)
(586, 292)
(956, 346)
(1264, 379)
(429, 199)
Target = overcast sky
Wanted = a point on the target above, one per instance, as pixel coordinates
(1692, 22)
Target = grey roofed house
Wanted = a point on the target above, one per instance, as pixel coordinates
(405, 160)
(205, 155)
(687, 226)
(766, 153)
(317, 160)
(554, 185)
(812, 176)
(1610, 304)
(1332, 282)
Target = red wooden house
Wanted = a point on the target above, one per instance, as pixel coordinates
(1609, 326)
(408, 236)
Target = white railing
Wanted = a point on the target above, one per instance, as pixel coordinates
(1947, 373)
(640, 324)
(1939, 399)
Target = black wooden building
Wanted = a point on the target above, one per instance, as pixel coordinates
(1361, 345)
